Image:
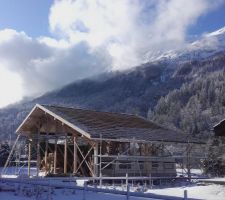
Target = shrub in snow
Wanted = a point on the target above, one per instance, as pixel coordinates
(214, 164)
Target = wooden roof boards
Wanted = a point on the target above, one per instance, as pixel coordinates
(110, 126)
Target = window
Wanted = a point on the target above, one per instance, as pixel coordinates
(107, 166)
(141, 165)
(125, 166)
(168, 165)
(155, 164)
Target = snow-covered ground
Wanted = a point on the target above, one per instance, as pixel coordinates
(13, 172)
(216, 179)
(207, 192)
(194, 172)
(60, 195)
(57, 194)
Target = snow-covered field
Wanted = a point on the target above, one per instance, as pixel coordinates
(66, 195)
(209, 191)
(61, 196)
(56, 194)
(15, 171)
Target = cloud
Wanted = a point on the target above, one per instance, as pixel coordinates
(129, 29)
(42, 67)
(10, 87)
(93, 36)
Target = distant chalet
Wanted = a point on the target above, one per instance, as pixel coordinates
(219, 129)
(93, 143)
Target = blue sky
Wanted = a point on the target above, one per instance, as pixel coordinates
(31, 16)
(46, 44)
(209, 22)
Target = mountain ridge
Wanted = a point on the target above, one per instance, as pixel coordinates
(208, 45)
(142, 91)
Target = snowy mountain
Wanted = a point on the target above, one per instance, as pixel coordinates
(208, 45)
(192, 77)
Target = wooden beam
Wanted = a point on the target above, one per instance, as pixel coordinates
(96, 159)
(78, 161)
(82, 132)
(146, 141)
(74, 155)
(29, 156)
(46, 155)
(55, 157)
(65, 154)
(27, 117)
(38, 153)
(84, 159)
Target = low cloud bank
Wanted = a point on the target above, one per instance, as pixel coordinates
(95, 36)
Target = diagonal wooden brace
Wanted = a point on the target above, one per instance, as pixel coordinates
(84, 159)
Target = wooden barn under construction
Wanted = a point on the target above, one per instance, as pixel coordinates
(71, 141)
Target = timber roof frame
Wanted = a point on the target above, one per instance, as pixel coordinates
(56, 117)
(97, 125)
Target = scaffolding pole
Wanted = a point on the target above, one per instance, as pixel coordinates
(10, 155)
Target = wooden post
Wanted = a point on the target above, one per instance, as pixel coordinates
(74, 155)
(38, 152)
(10, 155)
(128, 191)
(55, 157)
(96, 160)
(46, 154)
(150, 180)
(100, 181)
(127, 181)
(100, 158)
(84, 190)
(65, 155)
(185, 195)
(189, 161)
(29, 156)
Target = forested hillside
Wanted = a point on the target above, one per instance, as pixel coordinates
(199, 103)
(131, 92)
(186, 95)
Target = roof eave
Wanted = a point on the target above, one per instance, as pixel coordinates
(24, 121)
(82, 132)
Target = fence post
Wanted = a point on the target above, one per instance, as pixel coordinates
(126, 180)
(128, 192)
(95, 186)
(185, 195)
(150, 180)
(100, 180)
(84, 190)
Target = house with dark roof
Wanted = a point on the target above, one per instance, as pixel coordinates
(94, 143)
(219, 129)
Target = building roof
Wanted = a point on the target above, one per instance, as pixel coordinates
(96, 124)
(219, 128)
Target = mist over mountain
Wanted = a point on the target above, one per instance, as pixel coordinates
(181, 89)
